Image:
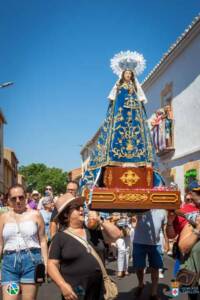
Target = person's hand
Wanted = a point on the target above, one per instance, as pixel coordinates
(131, 90)
(166, 246)
(68, 292)
(93, 220)
(171, 217)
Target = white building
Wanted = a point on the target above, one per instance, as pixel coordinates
(175, 81)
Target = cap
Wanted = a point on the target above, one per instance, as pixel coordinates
(194, 186)
(35, 192)
(47, 200)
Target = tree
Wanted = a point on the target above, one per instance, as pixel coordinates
(37, 176)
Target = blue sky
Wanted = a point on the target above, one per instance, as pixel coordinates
(58, 54)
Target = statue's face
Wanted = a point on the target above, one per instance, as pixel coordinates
(127, 75)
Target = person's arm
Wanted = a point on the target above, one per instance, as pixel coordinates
(110, 232)
(170, 230)
(42, 237)
(1, 234)
(53, 223)
(188, 238)
(164, 227)
(53, 267)
(166, 240)
(53, 228)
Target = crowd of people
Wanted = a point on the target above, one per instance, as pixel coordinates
(58, 231)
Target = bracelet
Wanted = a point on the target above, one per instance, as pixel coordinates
(196, 232)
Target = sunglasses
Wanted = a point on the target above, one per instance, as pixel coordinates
(75, 206)
(14, 199)
(48, 189)
(71, 190)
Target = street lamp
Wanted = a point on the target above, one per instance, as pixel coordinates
(6, 84)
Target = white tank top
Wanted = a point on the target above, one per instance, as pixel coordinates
(26, 238)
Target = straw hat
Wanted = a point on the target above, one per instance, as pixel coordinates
(66, 200)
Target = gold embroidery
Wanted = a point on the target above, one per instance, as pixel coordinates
(119, 139)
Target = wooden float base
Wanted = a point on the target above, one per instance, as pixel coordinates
(107, 199)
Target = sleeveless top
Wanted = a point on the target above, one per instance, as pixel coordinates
(21, 236)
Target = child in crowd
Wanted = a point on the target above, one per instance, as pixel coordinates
(123, 247)
(132, 225)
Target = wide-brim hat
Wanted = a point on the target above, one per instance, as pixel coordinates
(66, 200)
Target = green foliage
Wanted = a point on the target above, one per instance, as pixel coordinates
(38, 176)
(190, 175)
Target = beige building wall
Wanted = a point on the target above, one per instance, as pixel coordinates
(2, 122)
(21, 180)
(10, 169)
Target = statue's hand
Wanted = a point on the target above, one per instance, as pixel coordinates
(131, 90)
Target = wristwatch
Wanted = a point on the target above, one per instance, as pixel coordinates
(196, 231)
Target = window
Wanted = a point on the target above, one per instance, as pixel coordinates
(166, 95)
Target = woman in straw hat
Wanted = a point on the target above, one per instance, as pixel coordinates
(70, 264)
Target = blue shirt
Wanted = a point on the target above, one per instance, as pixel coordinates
(149, 226)
(46, 217)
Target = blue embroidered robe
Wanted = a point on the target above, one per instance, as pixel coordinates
(124, 138)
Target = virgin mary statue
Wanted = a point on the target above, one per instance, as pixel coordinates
(124, 138)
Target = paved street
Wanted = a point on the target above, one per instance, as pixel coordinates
(126, 285)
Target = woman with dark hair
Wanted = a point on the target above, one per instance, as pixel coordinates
(71, 265)
(22, 245)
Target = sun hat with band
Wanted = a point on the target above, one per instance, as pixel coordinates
(67, 200)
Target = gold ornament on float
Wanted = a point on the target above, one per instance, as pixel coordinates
(130, 178)
(133, 197)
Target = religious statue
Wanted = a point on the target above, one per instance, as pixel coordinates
(124, 137)
(162, 129)
(168, 125)
(158, 129)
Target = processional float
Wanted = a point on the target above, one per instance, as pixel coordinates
(122, 174)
